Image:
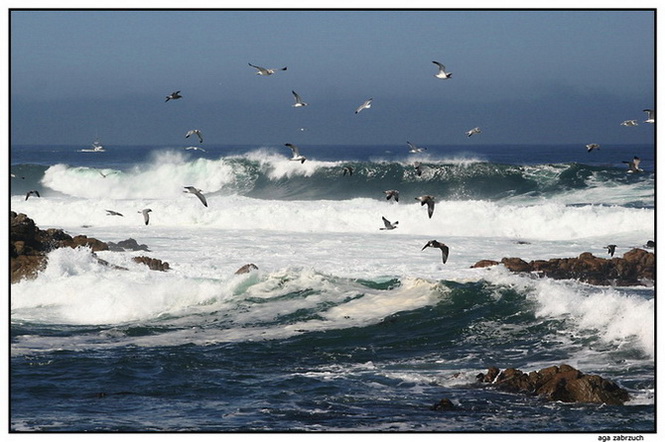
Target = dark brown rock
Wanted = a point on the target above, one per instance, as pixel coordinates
(563, 383)
(444, 404)
(152, 263)
(636, 267)
(485, 263)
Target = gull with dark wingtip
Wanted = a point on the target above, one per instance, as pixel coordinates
(611, 248)
(263, 71)
(429, 200)
(32, 192)
(388, 225)
(173, 96)
(442, 74)
(634, 165)
(592, 146)
(347, 169)
(145, 213)
(198, 193)
(299, 102)
(195, 132)
(296, 153)
(475, 130)
(414, 149)
(651, 116)
(113, 213)
(366, 105)
(394, 194)
(439, 245)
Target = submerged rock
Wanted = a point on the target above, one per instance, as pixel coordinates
(127, 244)
(152, 263)
(636, 267)
(563, 383)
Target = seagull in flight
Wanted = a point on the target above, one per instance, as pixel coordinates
(173, 96)
(611, 248)
(198, 193)
(651, 116)
(347, 169)
(32, 192)
(195, 132)
(388, 225)
(629, 123)
(263, 71)
(296, 153)
(439, 245)
(113, 213)
(415, 149)
(195, 148)
(442, 74)
(592, 146)
(392, 194)
(634, 165)
(418, 166)
(299, 102)
(145, 213)
(475, 130)
(366, 105)
(429, 200)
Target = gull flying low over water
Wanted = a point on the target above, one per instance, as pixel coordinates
(634, 165)
(347, 169)
(392, 194)
(388, 225)
(296, 153)
(651, 116)
(429, 200)
(439, 245)
(145, 213)
(195, 132)
(113, 213)
(442, 74)
(32, 192)
(173, 96)
(198, 193)
(592, 146)
(629, 123)
(415, 149)
(263, 71)
(611, 248)
(299, 102)
(366, 105)
(475, 130)
(419, 168)
(195, 148)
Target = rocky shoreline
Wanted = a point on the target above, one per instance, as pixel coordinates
(636, 267)
(29, 246)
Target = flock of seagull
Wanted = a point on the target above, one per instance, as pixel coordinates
(429, 200)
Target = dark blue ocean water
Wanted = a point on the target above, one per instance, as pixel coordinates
(173, 373)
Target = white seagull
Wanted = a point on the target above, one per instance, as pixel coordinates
(146, 217)
(296, 153)
(299, 102)
(113, 213)
(651, 116)
(634, 165)
(264, 71)
(629, 123)
(388, 225)
(195, 148)
(475, 130)
(592, 146)
(442, 74)
(195, 132)
(414, 149)
(366, 105)
(438, 245)
(429, 200)
(198, 193)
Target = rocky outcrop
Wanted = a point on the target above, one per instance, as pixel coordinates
(152, 263)
(563, 383)
(636, 267)
(246, 269)
(29, 246)
(128, 244)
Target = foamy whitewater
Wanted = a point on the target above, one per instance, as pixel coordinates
(343, 327)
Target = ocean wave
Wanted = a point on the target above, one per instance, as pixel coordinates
(268, 174)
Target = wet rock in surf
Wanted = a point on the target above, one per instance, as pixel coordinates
(127, 244)
(246, 269)
(152, 263)
(636, 267)
(557, 383)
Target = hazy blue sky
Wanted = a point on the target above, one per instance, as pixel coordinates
(541, 77)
